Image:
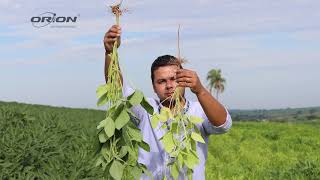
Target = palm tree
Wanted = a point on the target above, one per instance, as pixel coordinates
(216, 81)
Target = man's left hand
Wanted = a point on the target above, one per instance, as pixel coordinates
(188, 78)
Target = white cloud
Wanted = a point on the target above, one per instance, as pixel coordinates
(223, 34)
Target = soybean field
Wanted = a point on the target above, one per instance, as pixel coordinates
(43, 142)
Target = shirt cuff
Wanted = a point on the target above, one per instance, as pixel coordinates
(212, 129)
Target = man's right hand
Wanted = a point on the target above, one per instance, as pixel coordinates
(110, 37)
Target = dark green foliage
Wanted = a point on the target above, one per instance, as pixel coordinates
(42, 142)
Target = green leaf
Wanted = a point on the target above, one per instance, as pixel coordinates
(99, 161)
(144, 146)
(102, 124)
(196, 130)
(195, 119)
(111, 110)
(109, 127)
(135, 134)
(115, 112)
(136, 172)
(123, 151)
(103, 137)
(134, 119)
(125, 136)
(102, 100)
(163, 118)
(174, 127)
(135, 98)
(133, 157)
(122, 119)
(131, 113)
(175, 171)
(193, 145)
(144, 103)
(102, 90)
(116, 170)
(155, 121)
(197, 137)
(167, 141)
(190, 160)
(164, 126)
(165, 114)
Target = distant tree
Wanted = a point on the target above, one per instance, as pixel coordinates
(216, 82)
(312, 111)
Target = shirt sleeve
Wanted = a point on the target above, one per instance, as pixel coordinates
(127, 90)
(212, 129)
(138, 110)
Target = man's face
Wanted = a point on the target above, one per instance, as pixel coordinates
(164, 82)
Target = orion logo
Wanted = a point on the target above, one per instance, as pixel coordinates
(47, 18)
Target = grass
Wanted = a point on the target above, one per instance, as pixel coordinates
(48, 142)
(266, 150)
(41, 142)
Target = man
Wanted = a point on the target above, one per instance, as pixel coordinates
(166, 75)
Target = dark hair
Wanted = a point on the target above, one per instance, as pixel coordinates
(165, 60)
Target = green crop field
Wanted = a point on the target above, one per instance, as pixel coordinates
(266, 150)
(42, 142)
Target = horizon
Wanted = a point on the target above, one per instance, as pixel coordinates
(102, 109)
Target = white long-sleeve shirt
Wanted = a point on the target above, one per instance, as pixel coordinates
(155, 160)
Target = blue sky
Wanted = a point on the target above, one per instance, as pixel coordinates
(269, 51)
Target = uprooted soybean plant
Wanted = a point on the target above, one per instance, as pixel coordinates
(181, 135)
(119, 137)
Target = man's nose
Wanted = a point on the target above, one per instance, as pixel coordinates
(171, 84)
